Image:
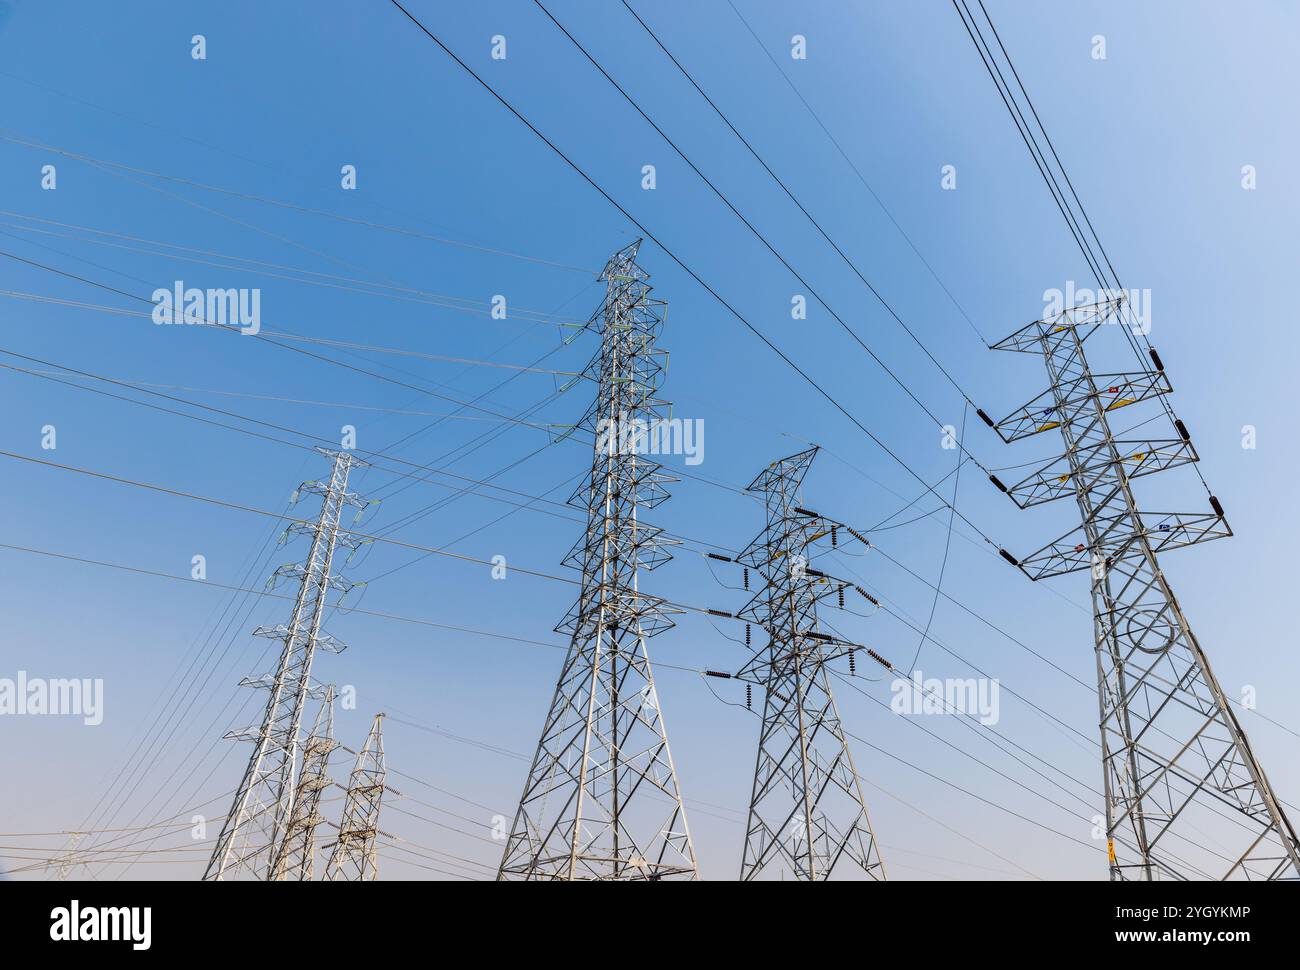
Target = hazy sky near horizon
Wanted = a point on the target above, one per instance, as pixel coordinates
(1155, 137)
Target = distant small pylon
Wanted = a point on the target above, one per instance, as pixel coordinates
(354, 858)
(298, 851)
(69, 859)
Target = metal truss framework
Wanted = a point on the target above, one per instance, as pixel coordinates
(807, 813)
(255, 835)
(601, 801)
(1177, 764)
(298, 858)
(354, 857)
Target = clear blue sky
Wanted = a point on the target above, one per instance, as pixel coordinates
(1154, 137)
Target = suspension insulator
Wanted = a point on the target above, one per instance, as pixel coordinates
(879, 659)
(835, 536)
(748, 633)
(853, 664)
(746, 576)
(840, 591)
(749, 697)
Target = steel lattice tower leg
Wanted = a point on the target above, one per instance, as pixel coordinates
(297, 859)
(601, 800)
(807, 812)
(254, 833)
(1185, 796)
(354, 858)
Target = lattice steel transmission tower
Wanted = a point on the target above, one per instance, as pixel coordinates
(1185, 796)
(254, 833)
(807, 813)
(601, 800)
(354, 858)
(297, 856)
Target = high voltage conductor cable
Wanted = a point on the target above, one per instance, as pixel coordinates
(255, 336)
(947, 546)
(216, 798)
(360, 536)
(125, 312)
(972, 723)
(1039, 154)
(89, 159)
(757, 157)
(965, 791)
(520, 756)
(251, 396)
(280, 596)
(993, 734)
(346, 353)
(465, 449)
(241, 417)
(328, 280)
(957, 603)
(371, 456)
(174, 702)
(763, 239)
(962, 751)
(856, 171)
(1131, 334)
(276, 515)
(1043, 129)
(684, 267)
(529, 505)
(205, 145)
(1024, 132)
(128, 312)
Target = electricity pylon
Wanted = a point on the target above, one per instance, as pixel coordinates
(69, 859)
(601, 800)
(253, 834)
(1185, 796)
(297, 855)
(807, 813)
(354, 858)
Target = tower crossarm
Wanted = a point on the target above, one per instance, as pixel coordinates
(1077, 400)
(1109, 536)
(1092, 465)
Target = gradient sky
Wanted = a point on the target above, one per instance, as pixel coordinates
(1154, 137)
